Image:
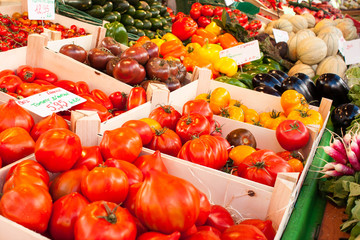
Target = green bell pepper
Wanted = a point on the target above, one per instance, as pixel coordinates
(232, 81)
(117, 31)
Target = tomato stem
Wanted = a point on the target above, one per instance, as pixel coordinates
(294, 126)
(111, 216)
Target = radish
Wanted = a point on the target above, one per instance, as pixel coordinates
(337, 156)
(341, 168)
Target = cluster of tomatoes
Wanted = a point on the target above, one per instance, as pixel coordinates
(27, 81)
(204, 13)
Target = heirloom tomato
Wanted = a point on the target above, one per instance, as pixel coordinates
(205, 150)
(190, 125)
(200, 106)
(308, 117)
(243, 231)
(154, 125)
(129, 202)
(263, 166)
(90, 157)
(219, 98)
(264, 226)
(121, 143)
(292, 135)
(58, 149)
(23, 178)
(153, 161)
(173, 207)
(105, 183)
(205, 208)
(67, 182)
(15, 143)
(50, 122)
(203, 235)
(133, 173)
(27, 205)
(166, 115)
(292, 100)
(30, 167)
(219, 218)
(105, 220)
(142, 128)
(64, 214)
(158, 236)
(165, 140)
(215, 128)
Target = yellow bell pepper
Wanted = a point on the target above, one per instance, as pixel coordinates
(226, 66)
(213, 28)
(206, 55)
(191, 47)
(158, 41)
(170, 37)
(215, 47)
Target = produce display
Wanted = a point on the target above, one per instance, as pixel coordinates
(14, 30)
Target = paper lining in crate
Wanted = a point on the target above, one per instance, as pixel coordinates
(37, 55)
(266, 138)
(87, 42)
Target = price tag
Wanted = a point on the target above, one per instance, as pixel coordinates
(351, 51)
(243, 53)
(229, 2)
(342, 41)
(54, 100)
(288, 10)
(280, 35)
(41, 9)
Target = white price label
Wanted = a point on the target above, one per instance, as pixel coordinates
(41, 9)
(51, 101)
(342, 42)
(288, 10)
(229, 2)
(351, 51)
(243, 53)
(280, 35)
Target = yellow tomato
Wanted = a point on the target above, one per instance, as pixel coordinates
(233, 112)
(204, 96)
(271, 119)
(219, 99)
(239, 153)
(309, 116)
(296, 164)
(291, 100)
(237, 103)
(251, 116)
(155, 125)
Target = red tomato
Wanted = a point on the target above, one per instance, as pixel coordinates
(200, 106)
(264, 226)
(90, 157)
(44, 88)
(205, 150)
(203, 235)
(44, 74)
(27, 89)
(105, 183)
(219, 218)
(189, 232)
(10, 83)
(35, 208)
(195, 13)
(191, 125)
(147, 162)
(67, 85)
(23, 178)
(209, 229)
(207, 10)
(50, 122)
(64, 214)
(215, 128)
(133, 173)
(203, 21)
(129, 202)
(205, 208)
(67, 182)
(263, 166)
(292, 135)
(15, 143)
(103, 113)
(90, 98)
(180, 197)
(82, 87)
(30, 167)
(25, 73)
(12, 115)
(104, 99)
(158, 236)
(243, 231)
(166, 115)
(167, 141)
(121, 143)
(118, 100)
(142, 128)
(105, 220)
(58, 149)
(287, 155)
(6, 72)
(218, 11)
(196, 5)
(43, 83)
(137, 96)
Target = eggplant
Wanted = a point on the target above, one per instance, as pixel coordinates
(266, 79)
(309, 84)
(343, 115)
(297, 84)
(277, 76)
(332, 86)
(268, 90)
(279, 72)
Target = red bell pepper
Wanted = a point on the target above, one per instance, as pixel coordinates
(184, 28)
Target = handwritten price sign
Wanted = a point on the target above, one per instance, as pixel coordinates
(351, 51)
(41, 9)
(280, 35)
(54, 100)
(243, 53)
